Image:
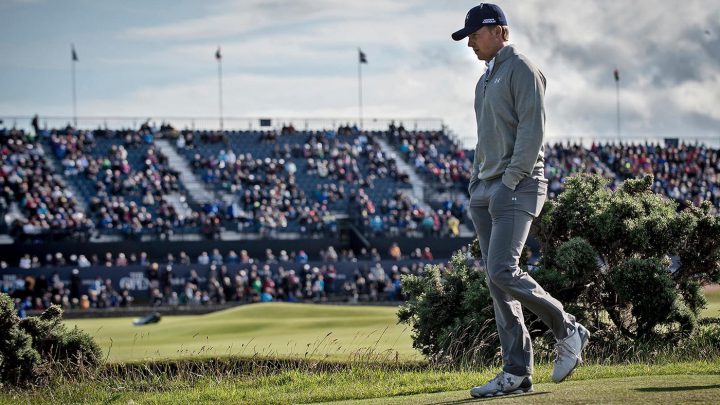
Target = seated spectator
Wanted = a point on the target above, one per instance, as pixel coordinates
(395, 252)
(83, 261)
(232, 257)
(203, 259)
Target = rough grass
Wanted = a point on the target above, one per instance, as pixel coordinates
(385, 385)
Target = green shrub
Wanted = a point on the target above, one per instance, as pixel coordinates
(32, 348)
(450, 311)
(604, 254)
(644, 286)
(623, 271)
(18, 359)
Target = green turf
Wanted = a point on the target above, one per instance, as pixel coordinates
(712, 294)
(634, 390)
(276, 329)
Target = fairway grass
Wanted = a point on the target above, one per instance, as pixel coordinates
(697, 389)
(712, 294)
(274, 329)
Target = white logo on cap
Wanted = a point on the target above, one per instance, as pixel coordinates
(489, 21)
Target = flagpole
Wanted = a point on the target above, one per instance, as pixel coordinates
(617, 92)
(219, 59)
(360, 90)
(617, 98)
(74, 59)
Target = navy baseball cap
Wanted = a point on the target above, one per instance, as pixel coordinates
(478, 17)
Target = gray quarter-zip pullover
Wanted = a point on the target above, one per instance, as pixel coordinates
(510, 114)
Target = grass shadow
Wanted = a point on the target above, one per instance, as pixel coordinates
(474, 400)
(677, 389)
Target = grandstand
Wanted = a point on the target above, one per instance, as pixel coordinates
(160, 215)
(261, 183)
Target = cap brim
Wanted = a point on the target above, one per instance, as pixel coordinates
(464, 32)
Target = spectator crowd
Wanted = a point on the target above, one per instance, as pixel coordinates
(286, 181)
(231, 278)
(47, 208)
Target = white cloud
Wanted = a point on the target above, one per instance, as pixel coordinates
(272, 17)
(298, 58)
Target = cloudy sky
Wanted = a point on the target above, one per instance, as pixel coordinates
(298, 58)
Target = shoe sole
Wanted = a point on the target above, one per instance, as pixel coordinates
(501, 393)
(584, 338)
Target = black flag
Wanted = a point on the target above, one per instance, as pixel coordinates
(74, 54)
(361, 56)
(218, 55)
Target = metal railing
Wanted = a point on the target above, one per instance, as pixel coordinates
(213, 123)
(587, 140)
(319, 123)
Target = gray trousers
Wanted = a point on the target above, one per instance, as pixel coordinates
(502, 219)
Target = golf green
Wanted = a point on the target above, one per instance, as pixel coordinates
(273, 329)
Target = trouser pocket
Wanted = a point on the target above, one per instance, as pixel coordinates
(529, 196)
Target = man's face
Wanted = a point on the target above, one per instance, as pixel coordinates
(484, 43)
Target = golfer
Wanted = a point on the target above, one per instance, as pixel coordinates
(507, 190)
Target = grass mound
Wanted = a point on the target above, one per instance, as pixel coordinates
(259, 330)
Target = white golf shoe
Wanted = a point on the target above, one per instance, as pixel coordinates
(504, 384)
(569, 353)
